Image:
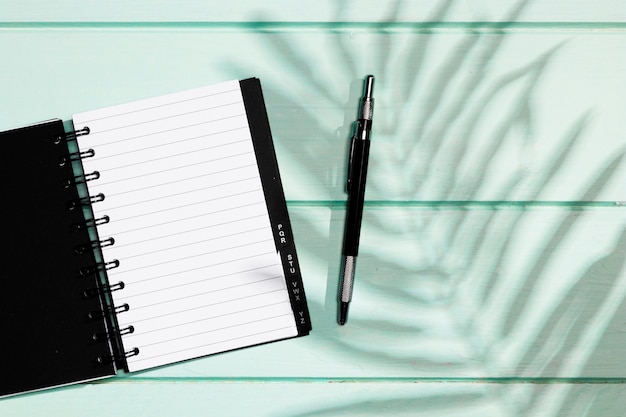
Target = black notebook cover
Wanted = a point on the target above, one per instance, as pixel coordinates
(47, 337)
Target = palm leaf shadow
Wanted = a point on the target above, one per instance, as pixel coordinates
(558, 237)
(468, 235)
(463, 95)
(561, 154)
(472, 186)
(579, 307)
(441, 404)
(571, 324)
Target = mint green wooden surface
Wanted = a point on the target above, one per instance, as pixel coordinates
(491, 279)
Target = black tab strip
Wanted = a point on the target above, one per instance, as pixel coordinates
(275, 199)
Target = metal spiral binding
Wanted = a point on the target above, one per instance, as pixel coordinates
(98, 337)
(93, 245)
(91, 223)
(101, 291)
(98, 314)
(71, 135)
(84, 201)
(114, 358)
(98, 267)
(75, 156)
(68, 182)
(97, 291)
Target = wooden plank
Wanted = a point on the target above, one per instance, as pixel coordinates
(454, 293)
(193, 397)
(324, 11)
(459, 116)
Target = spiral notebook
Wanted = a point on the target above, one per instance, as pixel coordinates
(152, 233)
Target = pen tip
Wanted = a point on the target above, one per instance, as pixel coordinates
(343, 313)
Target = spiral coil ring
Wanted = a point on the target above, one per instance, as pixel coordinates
(93, 245)
(101, 290)
(96, 291)
(109, 359)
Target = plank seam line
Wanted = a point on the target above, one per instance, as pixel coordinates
(273, 26)
(361, 380)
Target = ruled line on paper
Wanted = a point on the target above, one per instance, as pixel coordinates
(193, 230)
(173, 156)
(160, 329)
(154, 317)
(184, 179)
(207, 266)
(203, 294)
(157, 107)
(118, 141)
(187, 205)
(246, 336)
(183, 167)
(184, 193)
(194, 256)
(185, 218)
(178, 142)
(190, 243)
(206, 294)
(201, 268)
(160, 119)
(188, 232)
(208, 331)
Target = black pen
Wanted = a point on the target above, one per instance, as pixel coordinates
(357, 172)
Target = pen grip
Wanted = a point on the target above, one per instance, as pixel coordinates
(356, 195)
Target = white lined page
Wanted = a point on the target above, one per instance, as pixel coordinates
(192, 233)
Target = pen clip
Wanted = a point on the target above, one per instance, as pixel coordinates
(350, 161)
